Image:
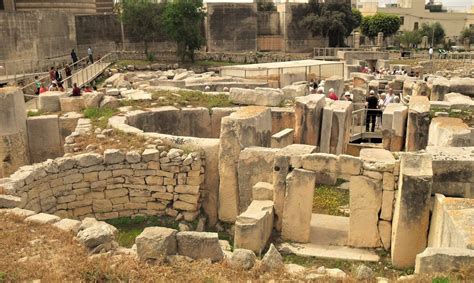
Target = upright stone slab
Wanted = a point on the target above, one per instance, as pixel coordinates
(287, 158)
(297, 207)
(49, 101)
(418, 123)
(336, 125)
(13, 134)
(412, 209)
(254, 226)
(365, 204)
(449, 132)
(255, 165)
(394, 121)
(439, 88)
(43, 138)
(308, 118)
(247, 127)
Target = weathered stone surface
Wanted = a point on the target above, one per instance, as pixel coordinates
(98, 236)
(255, 165)
(21, 212)
(388, 197)
(272, 261)
(247, 127)
(394, 126)
(92, 99)
(363, 272)
(459, 101)
(199, 245)
(155, 243)
(444, 260)
(385, 231)
(49, 101)
(113, 156)
(308, 119)
(365, 203)
(335, 82)
(375, 159)
(68, 225)
(109, 102)
(72, 104)
(283, 138)
(243, 259)
(257, 96)
(42, 218)
(418, 123)
(336, 123)
(262, 191)
(445, 131)
(43, 138)
(9, 201)
(324, 165)
(88, 159)
(462, 85)
(254, 226)
(291, 91)
(348, 165)
(411, 216)
(298, 204)
(439, 88)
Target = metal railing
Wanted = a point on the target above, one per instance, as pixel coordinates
(360, 124)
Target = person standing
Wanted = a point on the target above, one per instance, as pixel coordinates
(389, 98)
(90, 54)
(37, 85)
(74, 57)
(332, 95)
(68, 72)
(372, 104)
(431, 52)
(52, 74)
(59, 78)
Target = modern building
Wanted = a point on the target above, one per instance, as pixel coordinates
(76, 7)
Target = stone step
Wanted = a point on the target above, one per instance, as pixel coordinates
(329, 252)
(329, 230)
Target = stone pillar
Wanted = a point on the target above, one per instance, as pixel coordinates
(380, 39)
(445, 131)
(13, 136)
(424, 42)
(439, 88)
(356, 40)
(44, 138)
(467, 44)
(308, 117)
(336, 126)
(412, 209)
(418, 123)
(394, 120)
(246, 127)
(297, 208)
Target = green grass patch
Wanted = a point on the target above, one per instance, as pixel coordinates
(31, 113)
(465, 115)
(194, 98)
(210, 63)
(99, 116)
(328, 199)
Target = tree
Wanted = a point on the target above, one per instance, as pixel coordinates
(182, 21)
(409, 39)
(334, 21)
(467, 33)
(265, 6)
(435, 29)
(142, 19)
(386, 23)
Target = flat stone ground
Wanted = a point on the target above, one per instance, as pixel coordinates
(328, 237)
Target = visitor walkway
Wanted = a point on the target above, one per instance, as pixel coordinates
(358, 128)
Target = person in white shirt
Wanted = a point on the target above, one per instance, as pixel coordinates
(389, 97)
(89, 53)
(431, 52)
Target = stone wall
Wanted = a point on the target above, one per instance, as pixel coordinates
(112, 185)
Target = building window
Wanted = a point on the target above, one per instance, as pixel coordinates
(402, 21)
(2, 6)
(415, 27)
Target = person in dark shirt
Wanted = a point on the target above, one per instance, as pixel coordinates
(76, 91)
(73, 56)
(372, 103)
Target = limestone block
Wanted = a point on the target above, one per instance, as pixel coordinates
(418, 123)
(20, 212)
(282, 118)
(439, 88)
(308, 119)
(43, 138)
(42, 218)
(98, 236)
(254, 226)
(8, 201)
(242, 259)
(199, 245)
(348, 165)
(262, 191)
(68, 225)
(412, 208)
(88, 159)
(282, 138)
(462, 85)
(385, 231)
(272, 261)
(388, 198)
(113, 156)
(249, 126)
(49, 101)
(109, 102)
(377, 159)
(324, 165)
(336, 82)
(445, 131)
(92, 99)
(255, 165)
(72, 104)
(155, 243)
(257, 96)
(459, 101)
(336, 123)
(365, 204)
(361, 79)
(216, 116)
(435, 236)
(444, 260)
(297, 207)
(291, 91)
(419, 87)
(394, 119)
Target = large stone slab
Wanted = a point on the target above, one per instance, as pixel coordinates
(49, 101)
(324, 165)
(462, 85)
(336, 123)
(375, 159)
(249, 126)
(43, 138)
(72, 104)
(308, 119)
(257, 96)
(254, 226)
(444, 260)
(418, 123)
(439, 88)
(255, 165)
(446, 131)
(199, 245)
(365, 204)
(394, 121)
(155, 243)
(412, 209)
(459, 101)
(298, 203)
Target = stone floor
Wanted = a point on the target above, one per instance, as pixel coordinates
(328, 239)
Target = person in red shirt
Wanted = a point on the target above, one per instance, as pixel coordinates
(332, 95)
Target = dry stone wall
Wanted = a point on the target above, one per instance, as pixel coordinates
(112, 185)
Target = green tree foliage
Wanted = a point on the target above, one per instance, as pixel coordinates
(142, 19)
(468, 33)
(408, 39)
(428, 29)
(265, 6)
(182, 21)
(334, 21)
(386, 23)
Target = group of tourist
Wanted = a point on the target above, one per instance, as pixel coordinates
(375, 104)
(378, 74)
